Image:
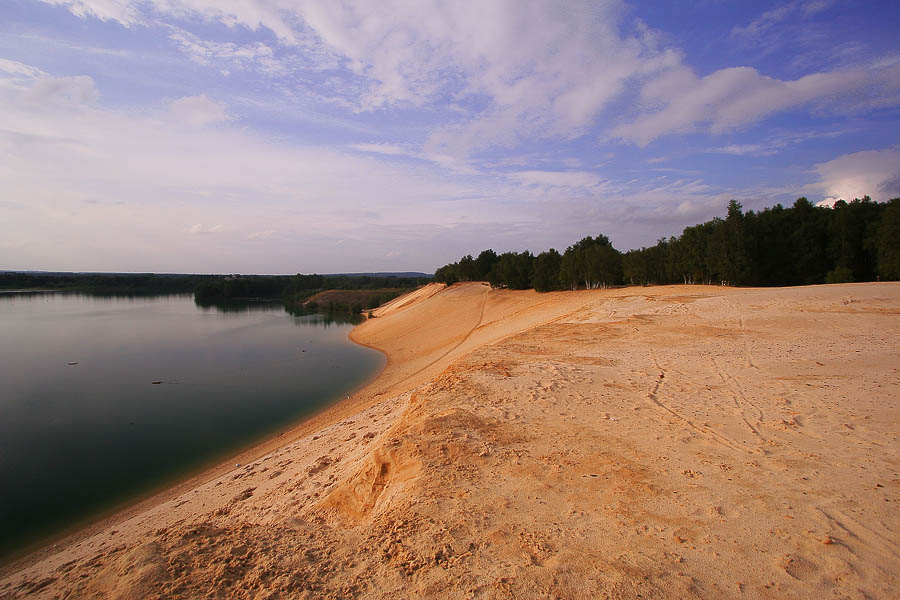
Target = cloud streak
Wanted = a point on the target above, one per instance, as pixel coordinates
(198, 111)
(732, 98)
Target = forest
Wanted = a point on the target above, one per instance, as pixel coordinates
(103, 283)
(800, 245)
(295, 290)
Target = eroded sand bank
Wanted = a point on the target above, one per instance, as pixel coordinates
(662, 442)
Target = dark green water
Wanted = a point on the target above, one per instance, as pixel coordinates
(76, 439)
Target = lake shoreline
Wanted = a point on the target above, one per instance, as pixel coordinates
(41, 546)
(667, 442)
(360, 399)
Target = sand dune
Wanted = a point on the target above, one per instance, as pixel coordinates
(668, 442)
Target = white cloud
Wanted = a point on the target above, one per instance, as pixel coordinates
(734, 97)
(198, 110)
(778, 141)
(261, 235)
(33, 90)
(30, 103)
(118, 191)
(572, 179)
(17, 69)
(744, 150)
(199, 228)
(506, 71)
(387, 149)
(125, 12)
(252, 14)
(75, 90)
(206, 51)
(259, 56)
(775, 16)
(511, 68)
(126, 191)
(873, 173)
(452, 164)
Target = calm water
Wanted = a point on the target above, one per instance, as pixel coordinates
(78, 438)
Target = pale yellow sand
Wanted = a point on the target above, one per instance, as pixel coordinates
(644, 442)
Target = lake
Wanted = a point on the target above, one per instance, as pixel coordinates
(103, 399)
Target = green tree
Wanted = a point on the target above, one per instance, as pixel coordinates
(447, 274)
(809, 242)
(484, 263)
(853, 227)
(602, 264)
(888, 241)
(545, 271)
(732, 246)
(591, 261)
(467, 269)
(768, 236)
(512, 270)
(569, 269)
(634, 267)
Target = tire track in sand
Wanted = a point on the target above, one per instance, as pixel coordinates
(736, 391)
(748, 356)
(707, 431)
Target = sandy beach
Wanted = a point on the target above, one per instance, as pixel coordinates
(659, 442)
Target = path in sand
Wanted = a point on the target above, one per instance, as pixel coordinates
(663, 442)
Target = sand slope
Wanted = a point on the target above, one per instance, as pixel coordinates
(646, 442)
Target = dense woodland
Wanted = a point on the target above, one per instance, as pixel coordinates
(104, 283)
(295, 290)
(799, 245)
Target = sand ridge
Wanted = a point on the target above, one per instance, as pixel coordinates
(671, 442)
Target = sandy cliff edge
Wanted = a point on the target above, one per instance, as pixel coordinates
(669, 442)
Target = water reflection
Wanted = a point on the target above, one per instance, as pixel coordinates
(103, 396)
(321, 317)
(13, 294)
(310, 317)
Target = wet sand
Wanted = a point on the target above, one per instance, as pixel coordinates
(665, 442)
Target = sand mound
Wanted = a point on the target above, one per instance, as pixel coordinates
(646, 442)
(382, 478)
(423, 293)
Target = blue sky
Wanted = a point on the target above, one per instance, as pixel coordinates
(284, 136)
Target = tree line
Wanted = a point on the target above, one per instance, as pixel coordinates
(294, 288)
(799, 245)
(295, 291)
(103, 283)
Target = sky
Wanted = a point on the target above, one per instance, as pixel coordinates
(286, 136)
